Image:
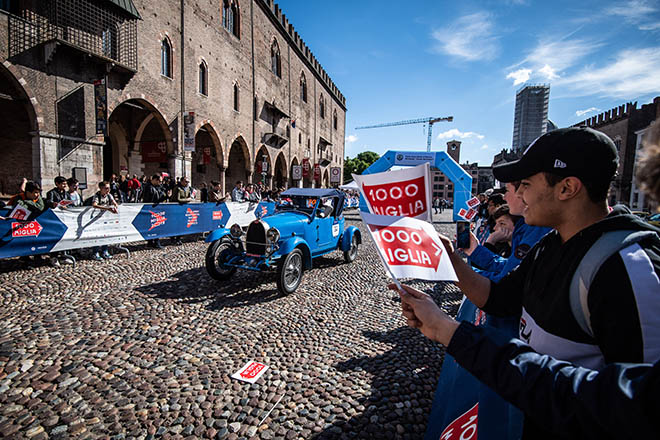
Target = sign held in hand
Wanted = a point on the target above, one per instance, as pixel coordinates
(410, 248)
(401, 193)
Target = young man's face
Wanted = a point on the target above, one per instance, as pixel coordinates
(61, 185)
(73, 187)
(492, 207)
(539, 201)
(516, 205)
(33, 195)
(504, 222)
(105, 190)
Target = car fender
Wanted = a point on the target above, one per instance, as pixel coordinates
(296, 242)
(347, 236)
(217, 234)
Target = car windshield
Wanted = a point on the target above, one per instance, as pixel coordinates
(298, 203)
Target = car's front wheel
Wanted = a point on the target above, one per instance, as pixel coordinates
(216, 255)
(351, 254)
(290, 271)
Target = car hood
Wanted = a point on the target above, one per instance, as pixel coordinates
(287, 222)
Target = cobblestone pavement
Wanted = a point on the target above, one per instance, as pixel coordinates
(143, 347)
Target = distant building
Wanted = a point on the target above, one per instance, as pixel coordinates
(622, 124)
(531, 115)
(485, 179)
(638, 200)
(442, 186)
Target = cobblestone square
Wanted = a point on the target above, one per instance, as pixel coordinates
(143, 347)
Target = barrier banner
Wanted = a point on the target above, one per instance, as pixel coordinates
(81, 227)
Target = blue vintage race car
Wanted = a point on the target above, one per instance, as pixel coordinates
(307, 223)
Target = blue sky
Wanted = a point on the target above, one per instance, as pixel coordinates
(406, 60)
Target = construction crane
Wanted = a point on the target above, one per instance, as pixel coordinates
(429, 121)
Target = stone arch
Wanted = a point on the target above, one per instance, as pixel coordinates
(21, 116)
(326, 179)
(208, 157)
(139, 139)
(239, 163)
(280, 174)
(293, 183)
(258, 159)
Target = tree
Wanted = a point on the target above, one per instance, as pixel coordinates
(358, 164)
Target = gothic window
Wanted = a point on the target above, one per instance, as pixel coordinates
(275, 62)
(166, 58)
(203, 79)
(303, 88)
(322, 107)
(231, 17)
(334, 119)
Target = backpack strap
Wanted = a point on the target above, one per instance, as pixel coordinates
(606, 246)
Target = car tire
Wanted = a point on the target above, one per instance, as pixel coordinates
(351, 254)
(289, 272)
(214, 255)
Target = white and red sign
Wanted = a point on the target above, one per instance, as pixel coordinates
(31, 229)
(464, 427)
(20, 213)
(462, 212)
(64, 203)
(410, 247)
(217, 215)
(250, 372)
(474, 201)
(401, 193)
(470, 214)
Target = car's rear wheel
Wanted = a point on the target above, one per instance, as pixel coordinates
(216, 255)
(290, 271)
(351, 254)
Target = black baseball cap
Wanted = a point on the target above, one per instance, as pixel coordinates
(579, 152)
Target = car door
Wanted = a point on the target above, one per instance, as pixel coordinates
(327, 229)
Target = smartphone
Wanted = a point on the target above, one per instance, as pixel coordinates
(462, 235)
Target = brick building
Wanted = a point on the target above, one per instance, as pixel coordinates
(621, 124)
(249, 87)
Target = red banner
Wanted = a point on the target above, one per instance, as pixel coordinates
(306, 167)
(404, 198)
(154, 152)
(207, 155)
(317, 171)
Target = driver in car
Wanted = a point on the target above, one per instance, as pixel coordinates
(326, 207)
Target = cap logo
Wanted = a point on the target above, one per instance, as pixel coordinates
(559, 164)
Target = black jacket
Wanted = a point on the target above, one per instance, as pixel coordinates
(621, 401)
(55, 196)
(153, 194)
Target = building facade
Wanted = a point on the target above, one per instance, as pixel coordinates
(531, 115)
(220, 90)
(621, 124)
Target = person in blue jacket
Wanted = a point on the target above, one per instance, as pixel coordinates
(523, 238)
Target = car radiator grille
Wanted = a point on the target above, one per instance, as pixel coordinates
(256, 238)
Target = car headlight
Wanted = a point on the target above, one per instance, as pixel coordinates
(273, 235)
(236, 230)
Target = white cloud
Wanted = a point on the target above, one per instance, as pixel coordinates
(584, 112)
(484, 147)
(636, 12)
(470, 38)
(456, 133)
(548, 72)
(351, 138)
(631, 73)
(519, 76)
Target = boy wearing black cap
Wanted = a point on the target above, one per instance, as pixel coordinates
(588, 291)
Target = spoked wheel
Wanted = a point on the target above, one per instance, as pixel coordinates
(218, 253)
(290, 271)
(351, 254)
